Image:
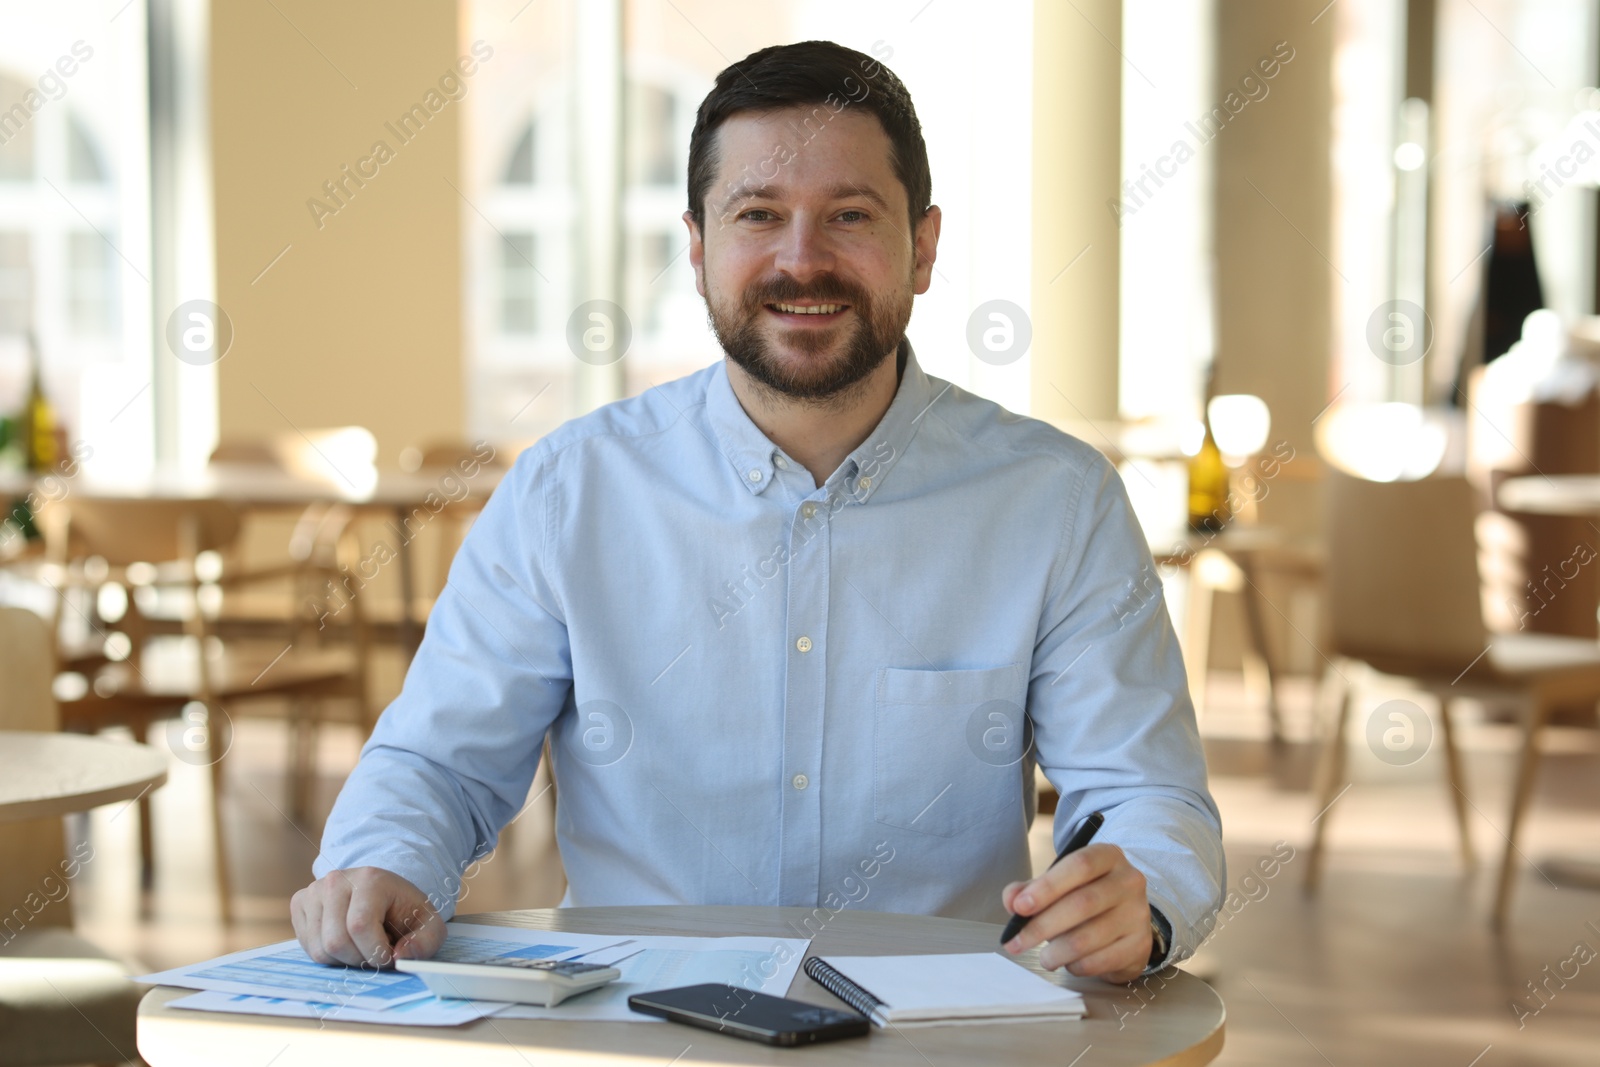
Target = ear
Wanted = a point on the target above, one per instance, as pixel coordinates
(697, 253)
(926, 244)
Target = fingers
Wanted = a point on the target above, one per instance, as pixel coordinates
(364, 923)
(1009, 893)
(349, 917)
(1078, 947)
(337, 947)
(1124, 883)
(1121, 961)
(305, 909)
(1071, 911)
(421, 930)
(1078, 869)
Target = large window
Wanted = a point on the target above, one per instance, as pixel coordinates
(522, 235)
(1166, 238)
(74, 220)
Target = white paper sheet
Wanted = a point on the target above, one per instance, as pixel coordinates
(284, 972)
(763, 964)
(282, 980)
(430, 1011)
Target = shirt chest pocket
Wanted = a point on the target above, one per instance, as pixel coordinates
(948, 748)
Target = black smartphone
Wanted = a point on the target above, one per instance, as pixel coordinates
(754, 1016)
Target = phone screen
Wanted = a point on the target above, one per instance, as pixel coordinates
(748, 1014)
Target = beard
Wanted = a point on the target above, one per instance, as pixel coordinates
(859, 346)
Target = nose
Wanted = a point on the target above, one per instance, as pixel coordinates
(804, 250)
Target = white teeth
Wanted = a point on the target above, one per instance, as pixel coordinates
(819, 309)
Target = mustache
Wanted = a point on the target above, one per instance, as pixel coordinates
(827, 290)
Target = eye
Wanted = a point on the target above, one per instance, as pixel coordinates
(860, 216)
(756, 211)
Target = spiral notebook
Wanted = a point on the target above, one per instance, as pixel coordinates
(972, 987)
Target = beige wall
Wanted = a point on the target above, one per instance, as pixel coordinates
(1274, 221)
(1273, 228)
(360, 321)
(1077, 166)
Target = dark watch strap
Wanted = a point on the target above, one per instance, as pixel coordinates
(1160, 937)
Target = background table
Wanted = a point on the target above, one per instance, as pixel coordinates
(393, 494)
(1554, 494)
(1178, 1023)
(45, 774)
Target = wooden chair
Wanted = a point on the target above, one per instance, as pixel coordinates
(51, 980)
(442, 532)
(150, 543)
(317, 537)
(439, 458)
(1236, 561)
(1404, 598)
(320, 454)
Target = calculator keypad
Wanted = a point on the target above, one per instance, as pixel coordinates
(563, 967)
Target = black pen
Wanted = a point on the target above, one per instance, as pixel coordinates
(1085, 833)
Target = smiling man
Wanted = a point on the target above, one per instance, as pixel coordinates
(801, 625)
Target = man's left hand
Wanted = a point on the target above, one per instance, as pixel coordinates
(1092, 909)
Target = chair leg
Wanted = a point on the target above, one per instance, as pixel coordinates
(1197, 638)
(141, 728)
(1257, 656)
(1458, 783)
(1527, 767)
(1330, 769)
(219, 843)
(308, 771)
(147, 845)
(303, 736)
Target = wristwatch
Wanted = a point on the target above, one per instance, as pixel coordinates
(1160, 937)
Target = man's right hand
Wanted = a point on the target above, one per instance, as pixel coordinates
(365, 915)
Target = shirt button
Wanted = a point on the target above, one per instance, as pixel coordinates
(808, 510)
(865, 483)
(804, 644)
(801, 781)
(782, 463)
(755, 474)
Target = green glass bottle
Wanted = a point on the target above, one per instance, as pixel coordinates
(38, 417)
(1208, 478)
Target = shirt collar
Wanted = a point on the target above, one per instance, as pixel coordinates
(754, 457)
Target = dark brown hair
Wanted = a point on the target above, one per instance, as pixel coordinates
(825, 74)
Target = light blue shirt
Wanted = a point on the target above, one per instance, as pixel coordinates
(759, 691)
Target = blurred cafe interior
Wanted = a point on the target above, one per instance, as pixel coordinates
(1321, 279)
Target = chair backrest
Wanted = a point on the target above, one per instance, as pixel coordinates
(258, 451)
(324, 454)
(34, 849)
(138, 531)
(27, 667)
(453, 453)
(1403, 587)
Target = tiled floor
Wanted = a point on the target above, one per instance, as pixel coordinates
(1391, 963)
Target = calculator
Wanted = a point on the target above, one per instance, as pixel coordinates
(520, 981)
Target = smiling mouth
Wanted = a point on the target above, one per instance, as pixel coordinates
(807, 314)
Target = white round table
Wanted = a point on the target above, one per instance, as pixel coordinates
(43, 774)
(1173, 1022)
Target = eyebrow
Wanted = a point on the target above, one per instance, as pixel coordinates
(777, 192)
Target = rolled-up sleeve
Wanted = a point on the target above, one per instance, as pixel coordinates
(1114, 727)
(451, 759)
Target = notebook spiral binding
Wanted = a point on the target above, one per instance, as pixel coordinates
(836, 983)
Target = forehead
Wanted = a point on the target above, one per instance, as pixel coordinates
(804, 149)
